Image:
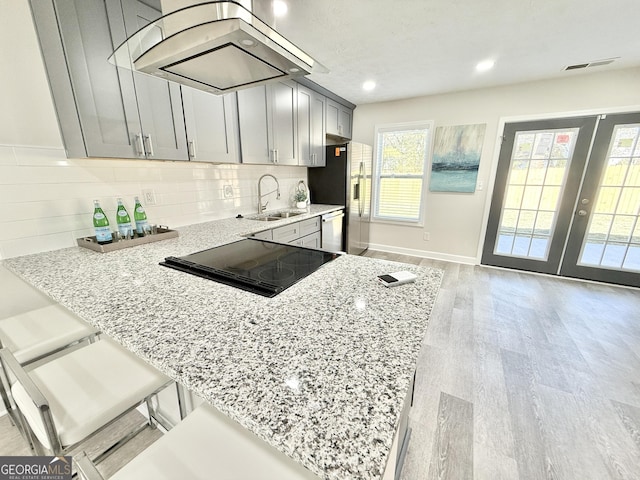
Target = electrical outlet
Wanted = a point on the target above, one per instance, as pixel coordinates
(149, 197)
(426, 236)
(228, 191)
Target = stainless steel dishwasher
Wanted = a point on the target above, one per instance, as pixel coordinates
(332, 231)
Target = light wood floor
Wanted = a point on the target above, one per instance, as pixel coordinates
(521, 377)
(526, 377)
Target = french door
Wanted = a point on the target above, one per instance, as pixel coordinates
(567, 199)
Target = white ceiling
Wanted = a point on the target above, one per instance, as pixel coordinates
(424, 47)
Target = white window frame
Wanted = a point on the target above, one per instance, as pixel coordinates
(394, 127)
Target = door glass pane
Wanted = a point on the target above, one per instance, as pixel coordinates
(611, 240)
(537, 175)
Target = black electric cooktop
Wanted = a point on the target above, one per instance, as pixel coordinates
(257, 266)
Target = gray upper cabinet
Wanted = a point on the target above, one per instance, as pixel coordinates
(159, 102)
(311, 128)
(105, 111)
(267, 116)
(212, 126)
(339, 119)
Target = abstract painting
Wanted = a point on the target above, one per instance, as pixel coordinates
(456, 158)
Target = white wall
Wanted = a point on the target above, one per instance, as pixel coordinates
(455, 221)
(46, 200)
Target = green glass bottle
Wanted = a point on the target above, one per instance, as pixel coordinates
(123, 219)
(101, 225)
(140, 216)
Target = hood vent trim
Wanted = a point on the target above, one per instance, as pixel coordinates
(218, 47)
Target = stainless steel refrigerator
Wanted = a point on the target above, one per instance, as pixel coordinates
(346, 180)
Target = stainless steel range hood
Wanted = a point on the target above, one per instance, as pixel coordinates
(217, 47)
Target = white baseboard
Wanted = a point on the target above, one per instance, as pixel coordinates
(424, 254)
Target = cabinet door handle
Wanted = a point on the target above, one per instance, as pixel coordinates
(148, 143)
(139, 144)
(191, 146)
(275, 156)
(313, 158)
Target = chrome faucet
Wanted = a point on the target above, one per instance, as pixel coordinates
(277, 190)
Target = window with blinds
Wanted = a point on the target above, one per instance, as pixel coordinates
(401, 159)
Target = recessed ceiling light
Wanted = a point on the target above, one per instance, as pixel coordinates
(294, 70)
(369, 85)
(279, 8)
(485, 65)
(247, 42)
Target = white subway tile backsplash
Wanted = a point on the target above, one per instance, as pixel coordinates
(37, 156)
(35, 244)
(140, 174)
(7, 157)
(18, 229)
(28, 174)
(177, 197)
(69, 223)
(46, 200)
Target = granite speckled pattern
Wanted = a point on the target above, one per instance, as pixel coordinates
(320, 371)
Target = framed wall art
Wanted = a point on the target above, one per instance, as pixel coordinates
(456, 158)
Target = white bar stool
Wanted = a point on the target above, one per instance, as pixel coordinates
(73, 397)
(36, 327)
(18, 296)
(35, 334)
(206, 445)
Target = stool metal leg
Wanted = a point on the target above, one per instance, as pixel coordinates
(86, 468)
(151, 410)
(182, 401)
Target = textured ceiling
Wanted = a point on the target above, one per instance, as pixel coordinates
(423, 47)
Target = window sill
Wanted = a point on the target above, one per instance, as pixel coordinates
(398, 223)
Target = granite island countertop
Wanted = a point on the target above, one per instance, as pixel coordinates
(320, 371)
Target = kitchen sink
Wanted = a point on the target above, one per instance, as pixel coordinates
(272, 217)
(286, 214)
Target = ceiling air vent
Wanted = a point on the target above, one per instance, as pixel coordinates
(577, 66)
(595, 63)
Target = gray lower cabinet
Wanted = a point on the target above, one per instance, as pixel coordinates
(104, 111)
(212, 126)
(267, 116)
(311, 128)
(264, 235)
(309, 241)
(287, 233)
(309, 226)
(306, 233)
(339, 120)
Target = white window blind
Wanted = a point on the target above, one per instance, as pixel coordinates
(401, 158)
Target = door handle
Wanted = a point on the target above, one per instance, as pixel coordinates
(361, 179)
(139, 144)
(582, 213)
(148, 145)
(191, 146)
